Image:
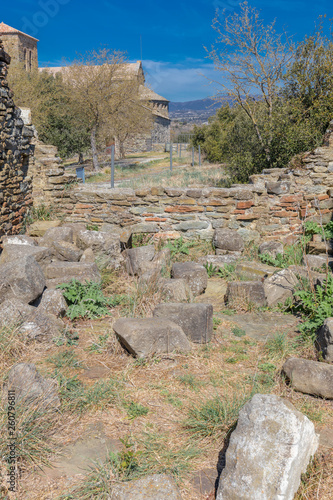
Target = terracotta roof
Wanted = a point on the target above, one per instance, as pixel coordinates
(8, 30)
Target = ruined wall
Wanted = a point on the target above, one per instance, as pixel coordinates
(272, 205)
(15, 154)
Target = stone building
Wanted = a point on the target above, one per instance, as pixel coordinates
(20, 46)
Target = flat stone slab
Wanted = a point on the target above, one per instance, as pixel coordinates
(265, 325)
(214, 294)
(255, 270)
(153, 487)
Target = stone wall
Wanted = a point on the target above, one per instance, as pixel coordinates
(273, 205)
(15, 155)
(21, 48)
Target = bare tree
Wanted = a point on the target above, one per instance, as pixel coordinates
(252, 58)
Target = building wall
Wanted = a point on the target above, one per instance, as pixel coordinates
(21, 49)
(161, 130)
(16, 153)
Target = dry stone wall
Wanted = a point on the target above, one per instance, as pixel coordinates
(15, 154)
(273, 205)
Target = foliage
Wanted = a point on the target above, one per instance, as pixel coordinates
(179, 246)
(311, 228)
(238, 332)
(292, 255)
(87, 300)
(135, 410)
(227, 271)
(315, 305)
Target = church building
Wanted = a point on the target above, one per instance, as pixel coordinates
(20, 46)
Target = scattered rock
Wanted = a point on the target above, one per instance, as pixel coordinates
(153, 487)
(195, 275)
(228, 239)
(268, 451)
(40, 227)
(88, 256)
(320, 247)
(272, 248)
(106, 246)
(176, 290)
(137, 259)
(243, 293)
(56, 234)
(279, 287)
(53, 302)
(310, 377)
(144, 337)
(219, 261)
(31, 387)
(254, 270)
(63, 250)
(196, 320)
(264, 325)
(64, 272)
(18, 239)
(10, 253)
(76, 227)
(325, 340)
(21, 279)
(317, 261)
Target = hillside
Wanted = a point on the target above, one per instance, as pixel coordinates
(201, 109)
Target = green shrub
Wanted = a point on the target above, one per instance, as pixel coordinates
(87, 300)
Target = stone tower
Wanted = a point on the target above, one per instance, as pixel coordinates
(21, 47)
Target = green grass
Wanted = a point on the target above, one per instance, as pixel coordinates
(135, 410)
(191, 381)
(65, 359)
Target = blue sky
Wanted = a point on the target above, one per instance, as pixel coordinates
(173, 33)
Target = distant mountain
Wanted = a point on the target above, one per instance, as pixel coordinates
(200, 110)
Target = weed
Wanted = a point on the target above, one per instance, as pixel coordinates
(216, 322)
(213, 417)
(87, 300)
(229, 312)
(68, 338)
(92, 227)
(189, 380)
(238, 332)
(12, 343)
(227, 272)
(172, 399)
(141, 239)
(100, 345)
(211, 269)
(267, 367)
(135, 410)
(65, 359)
(279, 346)
(179, 246)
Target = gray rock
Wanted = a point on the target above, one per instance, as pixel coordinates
(254, 270)
(325, 340)
(280, 286)
(10, 253)
(137, 259)
(320, 247)
(153, 487)
(105, 246)
(63, 250)
(219, 260)
(28, 320)
(268, 451)
(249, 235)
(53, 302)
(76, 227)
(64, 272)
(31, 387)
(196, 320)
(175, 290)
(243, 293)
(88, 256)
(144, 337)
(39, 228)
(278, 187)
(310, 377)
(228, 239)
(195, 275)
(22, 279)
(56, 234)
(19, 239)
(317, 261)
(272, 248)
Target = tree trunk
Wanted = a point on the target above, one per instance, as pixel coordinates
(121, 150)
(94, 148)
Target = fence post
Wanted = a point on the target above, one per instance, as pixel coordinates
(112, 165)
(171, 151)
(180, 151)
(199, 155)
(192, 156)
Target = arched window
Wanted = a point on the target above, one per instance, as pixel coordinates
(30, 59)
(25, 60)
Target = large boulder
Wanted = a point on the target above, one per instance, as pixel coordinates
(317, 261)
(254, 270)
(310, 377)
(271, 248)
(195, 275)
(268, 451)
(64, 272)
(11, 253)
(53, 302)
(279, 287)
(63, 250)
(196, 320)
(39, 228)
(153, 487)
(29, 321)
(137, 259)
(31, 388)
(175, 290)
(56, 234)
(144, 337)
(325, 340)
(22, 279)
(228, 240)
(106, 246)
(243, 293)
(19, 239)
